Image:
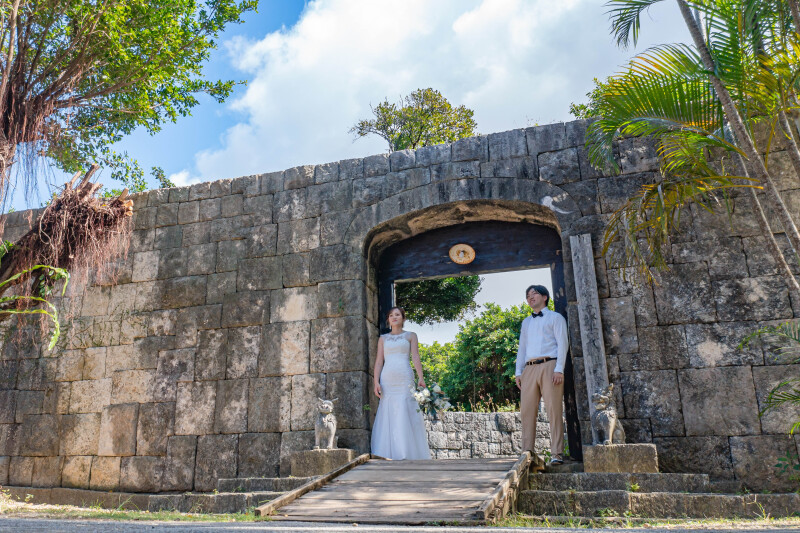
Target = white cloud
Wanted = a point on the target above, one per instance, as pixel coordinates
(514, 62)
(183, 178)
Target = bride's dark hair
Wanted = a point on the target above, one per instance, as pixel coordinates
(389, 312)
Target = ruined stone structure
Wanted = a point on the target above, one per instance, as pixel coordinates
(244, 300)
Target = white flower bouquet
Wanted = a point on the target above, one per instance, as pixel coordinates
(431, 400)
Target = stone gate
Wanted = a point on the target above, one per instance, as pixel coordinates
(243, 300)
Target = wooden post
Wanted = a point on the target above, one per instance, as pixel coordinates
(594, 351)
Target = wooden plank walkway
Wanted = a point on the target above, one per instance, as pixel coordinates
(375, 491)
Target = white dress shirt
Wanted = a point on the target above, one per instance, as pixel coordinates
(543, 336)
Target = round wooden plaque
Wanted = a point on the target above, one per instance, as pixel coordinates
(462, 254)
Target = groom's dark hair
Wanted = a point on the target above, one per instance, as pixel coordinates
(541, 289)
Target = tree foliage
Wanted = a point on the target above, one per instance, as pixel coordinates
(77, 75)
(423, 118)
(589, 109)
(438, 300)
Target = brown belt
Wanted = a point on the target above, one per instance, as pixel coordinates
(540, 361)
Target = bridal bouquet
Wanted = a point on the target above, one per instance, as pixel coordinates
(431, 400)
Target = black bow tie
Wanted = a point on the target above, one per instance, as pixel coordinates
(534, 315)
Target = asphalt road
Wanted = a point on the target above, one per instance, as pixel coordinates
(24, 525)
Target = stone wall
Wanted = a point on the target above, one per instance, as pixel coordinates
(243, 300)
(460, 435)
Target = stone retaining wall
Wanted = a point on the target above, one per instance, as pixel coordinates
(241, 301)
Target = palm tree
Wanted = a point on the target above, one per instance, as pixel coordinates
(701, 101)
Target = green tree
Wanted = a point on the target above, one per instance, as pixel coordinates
(438, 300)
(423, 118)
(435, 359)
(589, 109)
(78, 75)
(703, 105)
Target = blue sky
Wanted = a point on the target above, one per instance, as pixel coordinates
(314, 67)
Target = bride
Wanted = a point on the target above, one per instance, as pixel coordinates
(399, 429)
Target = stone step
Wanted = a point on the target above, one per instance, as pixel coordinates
(656, 504)
(586, 482)
(206, 502)
(255, 484)
(567, 467)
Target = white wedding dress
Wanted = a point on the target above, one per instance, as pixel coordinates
(399, 429)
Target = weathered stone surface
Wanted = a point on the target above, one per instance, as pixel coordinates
(291, 442)
(340, 298)
(46, 471)
(231, 407)
(270, 404)
(724, 256)
(777, 420)
(184, 292)
(216, 459)
(5, 461)
(653, 395)
(546, 138)
(219, 286)
(94, 364)
(141, 474)
(703, 391)
(613, 192)
(620, 458)
(284, 349)
(90, 396)
(70, 366)
(306, 389)
(319, 462)
(79, 434)
(559, 167)
(352, 390)
(245, 309)
(20, 471)
(660, 347)
(259, 454)
(179, 465)
(29, 402)
(764, 298)
(243, 351)
(754, 459)
(684, 294)
(326, 172)
(290, 305)
(258, 274)
(156, 423)
(331, 263)
(8, 406)
(105, 473)
(133, 386)
(507, 144)
(76, 472)
(298, 235)
(39, 436)
(718, 345)
(194, 410)
(296, 270)
(338, 344)
(210, 358)
(619, 325)
(118, 430)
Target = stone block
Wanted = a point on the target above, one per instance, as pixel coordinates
(141, 474)
(740, 222)
(156, 423)
(297, 177)
(330, 197)
(559, 167)
(219, 286)
(284, 349)
(724, 256)
(296, 270)
(75, 473)
(166, 215)
(684, 294)
(653, 395)
(94, 364)
(546, 138)
(290, 205)
(209, 209)
(356, 439)
(340, 298)
(336, 262)
(245, 309)
(39, 436)
(229, 253)
(194, 410)
(231, 206)
(621, 458)
(584, 193)
(298, 235)
(259, 454)
(145, 266)
(210, 357)
(702, 455)
(338, 344)
(230, 415)
(719, 401)
(8, 406)
(216, 459)
(69, 368)
(259, 209)
(780, 419)
(133, 386)
(326, 172)
(526, 168)
(507, 144)
(262, 241)
(619, 325)
(179, 465)
(306, 389)
(184, 292)
(29, 402)
(291, 305)
(201, 259)
(20, 471)
(759, 259)
(764, 298)
(376, 165)
(293, 441)
(5, 461)
(176, 365)
(79, 434)
(660, 348)
(638, 155)
(259, 274)
(718, 345)
(46, 471)
(352, 390)
(105, 473)
(118, 430)
(271, 182)
(243, 351)
(754, 460)
(319, 462)
(269, 405)
(168, 237)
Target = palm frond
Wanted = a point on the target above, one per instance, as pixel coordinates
(625, 18)
(786, 333)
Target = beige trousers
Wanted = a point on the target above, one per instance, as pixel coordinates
(537, 383)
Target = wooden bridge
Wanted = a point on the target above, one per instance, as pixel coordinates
(372, 490)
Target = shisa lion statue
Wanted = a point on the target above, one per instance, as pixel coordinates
(325, 427)
(605, 423)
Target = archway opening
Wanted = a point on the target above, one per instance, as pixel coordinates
(493, 247)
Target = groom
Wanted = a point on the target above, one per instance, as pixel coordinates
(541, 356)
